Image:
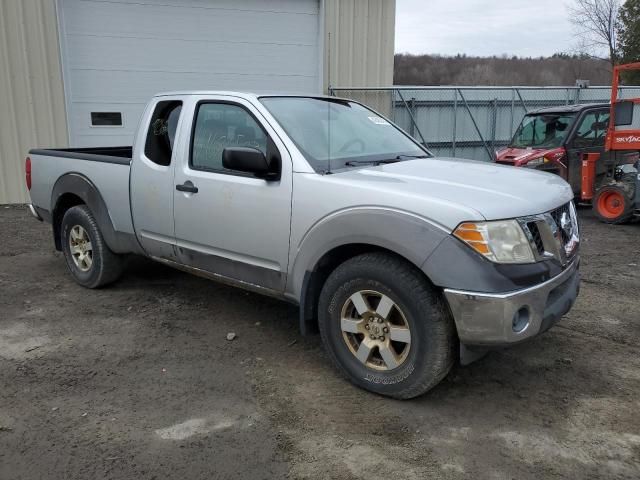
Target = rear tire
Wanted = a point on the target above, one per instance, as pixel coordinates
(89, 260)
(613, 203)
(400, 342)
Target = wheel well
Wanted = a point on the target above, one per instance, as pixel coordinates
(316, 278)
(65, 202)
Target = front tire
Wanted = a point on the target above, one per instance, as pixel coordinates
(89, 260)
(385, 327)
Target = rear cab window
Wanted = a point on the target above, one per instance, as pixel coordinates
(162, 132)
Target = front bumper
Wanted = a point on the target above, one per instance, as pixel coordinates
(491, 319)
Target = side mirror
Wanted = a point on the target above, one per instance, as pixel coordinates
(247, 159)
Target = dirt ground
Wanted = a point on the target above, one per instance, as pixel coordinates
(138, 381)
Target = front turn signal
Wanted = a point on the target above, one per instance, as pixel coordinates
(501, 241)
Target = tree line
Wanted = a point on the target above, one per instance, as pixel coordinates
(463, 70)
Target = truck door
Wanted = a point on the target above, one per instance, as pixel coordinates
(227, 222)
(152, 173)
(588, 137)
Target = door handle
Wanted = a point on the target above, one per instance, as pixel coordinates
(187, 187)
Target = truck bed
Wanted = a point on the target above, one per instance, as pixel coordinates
(106, 169)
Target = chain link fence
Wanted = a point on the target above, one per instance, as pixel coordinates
(469, 122)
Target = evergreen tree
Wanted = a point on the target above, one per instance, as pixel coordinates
(629, 38)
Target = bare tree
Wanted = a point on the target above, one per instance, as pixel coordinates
(595, 23)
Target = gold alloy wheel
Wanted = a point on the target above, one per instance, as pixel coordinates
(375, 330)
(81, 248)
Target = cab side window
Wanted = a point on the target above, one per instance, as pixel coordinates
(222, 125)
(162, 132)
(592, 130)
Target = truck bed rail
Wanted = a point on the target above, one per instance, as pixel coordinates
(117, 155)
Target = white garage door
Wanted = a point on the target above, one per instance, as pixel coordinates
(117, 54)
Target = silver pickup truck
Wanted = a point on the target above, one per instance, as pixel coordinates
(404, 262)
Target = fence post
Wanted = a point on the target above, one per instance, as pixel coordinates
(412, 106)
(513, 106)
(524, 105)
(413, 120)
(475, 124)
(454, 133)
(494, 121)
(393, 105)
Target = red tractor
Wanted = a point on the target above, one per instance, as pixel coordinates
(594, 147)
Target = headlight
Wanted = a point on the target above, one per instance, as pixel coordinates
(535, 162)
(501, 241)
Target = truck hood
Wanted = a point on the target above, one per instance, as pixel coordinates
(515, 155)
(521, 156)
(494, 191)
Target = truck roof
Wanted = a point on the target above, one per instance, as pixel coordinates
(247, 95)
(567, 108)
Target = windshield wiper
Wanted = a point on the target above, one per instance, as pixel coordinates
(354, 163)
(400, 157)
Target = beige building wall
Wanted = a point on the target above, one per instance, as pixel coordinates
(359, 43)
(32, 110)
(359, 46)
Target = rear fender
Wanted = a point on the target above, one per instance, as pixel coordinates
(81, 187)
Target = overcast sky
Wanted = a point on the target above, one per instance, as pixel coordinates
(483, 27)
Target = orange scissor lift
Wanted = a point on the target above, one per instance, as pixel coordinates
(615, 195)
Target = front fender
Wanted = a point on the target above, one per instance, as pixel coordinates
(406, 234)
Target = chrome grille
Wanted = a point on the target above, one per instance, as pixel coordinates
(536, 238)
(554, 234)
(566, 219)
(558, 214)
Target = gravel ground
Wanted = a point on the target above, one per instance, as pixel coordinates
(138, 381)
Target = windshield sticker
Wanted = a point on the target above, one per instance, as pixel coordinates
(379, 121)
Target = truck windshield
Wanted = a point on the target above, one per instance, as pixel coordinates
(546, 130)
(334, 134)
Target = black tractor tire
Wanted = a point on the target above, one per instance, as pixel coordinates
(433, 342)
(613, 202)
(105, 266)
